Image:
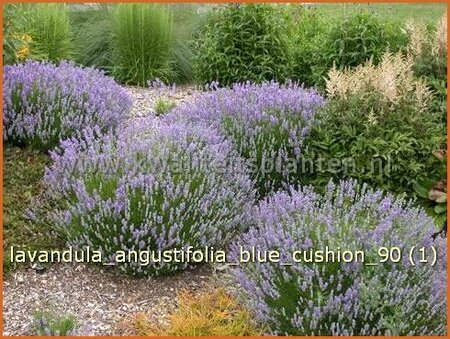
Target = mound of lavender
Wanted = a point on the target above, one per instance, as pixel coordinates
(152, 188)
(267, 123)
(44, 102)
(314, 297)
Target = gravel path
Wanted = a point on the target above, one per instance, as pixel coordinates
(99, 298)
(144, 98)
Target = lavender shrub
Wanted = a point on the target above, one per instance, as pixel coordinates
(153, 187)
(44, 102)
(343, 298)
(267, 124)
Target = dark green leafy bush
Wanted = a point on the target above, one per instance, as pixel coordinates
(360, 37)
(345, 43)
(243, 43)
(377, 127)
(309, 32)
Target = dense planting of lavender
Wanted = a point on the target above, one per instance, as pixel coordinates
(44, 102)
(267, 124)
(344, 298)
(151, 187)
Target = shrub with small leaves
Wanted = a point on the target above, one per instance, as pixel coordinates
(349, 42)
(318, 295)
(46, 324)
(152, 188)
(242, 42)
(44, 103)
(267, 124)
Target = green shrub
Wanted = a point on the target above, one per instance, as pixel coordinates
(346, 43)
(309, 32)
(242, 43)
(142, 41)
(432, 192)
(377, 127)
(360, 37)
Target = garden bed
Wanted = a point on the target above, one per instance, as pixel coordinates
(293, 184)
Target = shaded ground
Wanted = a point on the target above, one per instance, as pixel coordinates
(22, 174)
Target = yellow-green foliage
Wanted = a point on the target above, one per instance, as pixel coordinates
(212, 313)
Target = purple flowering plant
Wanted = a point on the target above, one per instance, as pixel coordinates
(315, 297)
(267, 124)
(153, 186)
(44, 103)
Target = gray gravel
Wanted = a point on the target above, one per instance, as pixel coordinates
(144, 98)
(98, 298)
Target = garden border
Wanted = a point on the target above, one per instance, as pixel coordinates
(205, 1)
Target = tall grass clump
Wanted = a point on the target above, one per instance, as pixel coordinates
(93, 37)
(188, 21)
(242, 42)
(142, 41)
(50, 31)
(266, 123)
(376, 127)
(309, 292)
(44, 102)
(152, 188)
